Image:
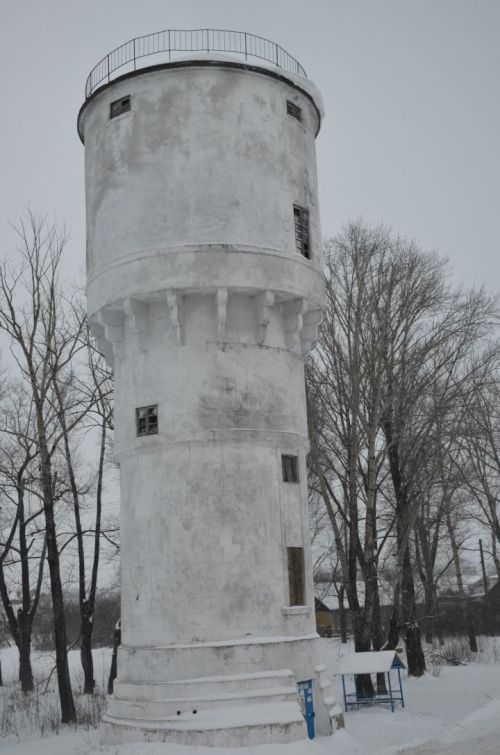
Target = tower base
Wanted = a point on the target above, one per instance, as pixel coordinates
(257, 706)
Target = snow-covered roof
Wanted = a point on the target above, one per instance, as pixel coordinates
(371, 662)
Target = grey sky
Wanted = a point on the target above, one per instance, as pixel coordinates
(411, 91)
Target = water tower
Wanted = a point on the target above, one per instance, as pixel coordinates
(205, 293)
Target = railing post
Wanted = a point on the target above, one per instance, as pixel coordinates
(107, 60)
(135, 66)
(246, 56)
(208, 43)
(169, 54)
(277, 64)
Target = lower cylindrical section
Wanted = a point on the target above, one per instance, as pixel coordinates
(206, 529)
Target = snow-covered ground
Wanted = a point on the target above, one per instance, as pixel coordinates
(454, 713)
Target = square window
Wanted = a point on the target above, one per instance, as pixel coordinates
(119, 106)
(296, 576)
(146, 418)
(290, 468)
(301, 220)
(294, 110)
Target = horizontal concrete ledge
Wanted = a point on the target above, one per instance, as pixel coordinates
(238, 436)
(226, 643)
(259, 675)
(296, 610)
(203, 249)
(239, 268)
(218, 718)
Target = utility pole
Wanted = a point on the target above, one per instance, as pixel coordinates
(487, 604)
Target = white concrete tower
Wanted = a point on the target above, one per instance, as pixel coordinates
(205, 292)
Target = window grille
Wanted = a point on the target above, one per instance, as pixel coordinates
(146, 418)
(119, 106)
(296, 576)
(290, 468)
(294, 110)
(301, 218)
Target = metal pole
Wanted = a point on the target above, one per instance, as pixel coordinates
(135, 67)
(390, 690)
(169, 55)
(246, 56)
(345, 696)
(107, 60)
(401, 688)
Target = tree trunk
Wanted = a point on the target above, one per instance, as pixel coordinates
(362, 643)
(488, 613)
(25, 669)
(114, 658)
(415, 655)
(86, 628)
(414, 652)
(428, 610)
(378, 639)
(413, 641)
(68, 712)
(465, 611)
(439, 622)
(24, 647)
(342, 615)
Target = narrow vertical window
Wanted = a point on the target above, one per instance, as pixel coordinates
(293, 110)
(119, 106)
(290, 468)
(296, 576)
(301, 219)
(146, 418)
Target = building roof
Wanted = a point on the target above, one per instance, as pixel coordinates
(320, 606)
(372, 662)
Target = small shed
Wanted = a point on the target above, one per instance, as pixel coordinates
(372, 662)
(325, 623)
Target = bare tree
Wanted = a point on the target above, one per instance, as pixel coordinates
(83, 404)
(347, 449)
(43, 344)
(22, 551)
(394, 329)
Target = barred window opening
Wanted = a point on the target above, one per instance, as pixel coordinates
(294, 110)
(146, 418)
(301, 219)
(296, 576)
(119, 106)
(290, 468)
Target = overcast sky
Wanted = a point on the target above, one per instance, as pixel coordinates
(411, 91)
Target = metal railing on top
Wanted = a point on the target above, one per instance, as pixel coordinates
(189, 40)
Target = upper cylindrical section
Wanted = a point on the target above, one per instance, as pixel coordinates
(192, 169)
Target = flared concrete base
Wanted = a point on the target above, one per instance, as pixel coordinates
(235, 726)
(229, 710)
(187, 694)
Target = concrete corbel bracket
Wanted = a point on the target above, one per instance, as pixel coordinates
(114, 333)
(309, 333)
(174, 301)
(222, 296)
(103, 345)
(265, 302)
(293, 314)
(137, 313)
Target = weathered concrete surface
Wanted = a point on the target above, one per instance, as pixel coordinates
(199, 298)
